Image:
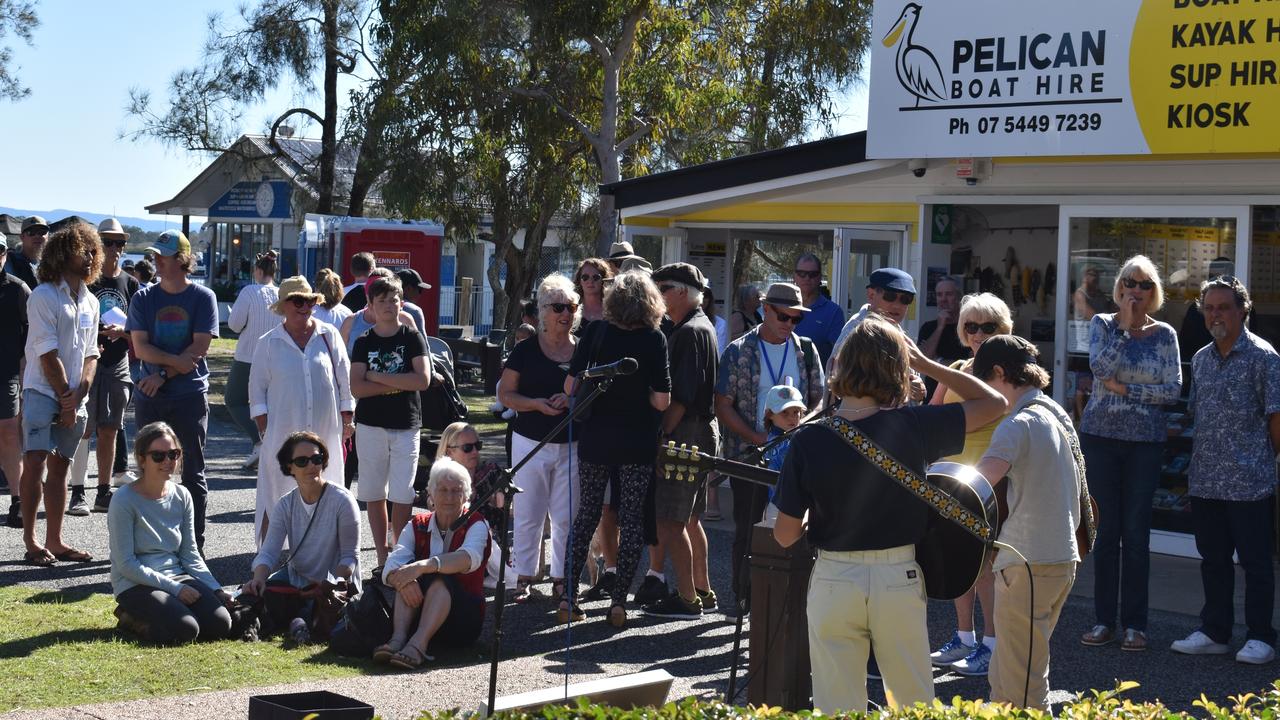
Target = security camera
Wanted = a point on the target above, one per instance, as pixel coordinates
(918, 167)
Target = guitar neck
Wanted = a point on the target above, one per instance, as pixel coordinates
(686, 461)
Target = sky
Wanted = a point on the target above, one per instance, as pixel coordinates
(61, 144)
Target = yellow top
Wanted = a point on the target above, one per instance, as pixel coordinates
(976, 442)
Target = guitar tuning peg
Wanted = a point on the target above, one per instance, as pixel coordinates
(694, 450)
(671, 447)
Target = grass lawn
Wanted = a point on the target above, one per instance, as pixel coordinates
(61, 648)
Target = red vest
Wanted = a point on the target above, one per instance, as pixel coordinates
(472, 582)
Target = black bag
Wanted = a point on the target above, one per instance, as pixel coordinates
(365, 622)
(583, 387)
(441, 403)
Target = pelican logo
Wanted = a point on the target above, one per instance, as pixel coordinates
(918, 70)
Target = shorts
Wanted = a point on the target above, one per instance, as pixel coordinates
(38, 429)
(108, 398)
(388, 462)
(10, 391)
(682, 499)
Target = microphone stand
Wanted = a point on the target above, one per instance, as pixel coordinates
(503, 483)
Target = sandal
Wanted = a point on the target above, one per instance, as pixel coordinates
(569, 611)
(384, 652)
(1134, 640)
(409, 658)
(523, 591)
(618, 615)
(39, 558)
(73, 555)
(557, 588)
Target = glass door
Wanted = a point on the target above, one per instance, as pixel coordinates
(856, 254)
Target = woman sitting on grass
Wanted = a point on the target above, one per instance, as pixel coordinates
(321, 522)
(438, 573)
(165, 592)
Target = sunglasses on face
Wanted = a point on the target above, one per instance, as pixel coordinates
(788, 318)
(159, 456)
(558, 308)
(811, 274)
(898, 296)
(972, 328)
(113, 243)
(1144, 284)
(590, 278)
(468, 447)
(300, 462)
(300, 302)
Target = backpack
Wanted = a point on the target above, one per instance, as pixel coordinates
(441, 403)
(365, 622)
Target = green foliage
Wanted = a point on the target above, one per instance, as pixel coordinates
(17, 17)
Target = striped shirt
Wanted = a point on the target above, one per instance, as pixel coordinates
(252, 317)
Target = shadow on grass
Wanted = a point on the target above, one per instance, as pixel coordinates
(23, 647)
(61, 597)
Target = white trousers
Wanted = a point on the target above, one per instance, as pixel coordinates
(549, 489)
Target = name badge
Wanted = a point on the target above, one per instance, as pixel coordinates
(86, 320)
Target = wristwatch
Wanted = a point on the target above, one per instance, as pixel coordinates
(164, 374)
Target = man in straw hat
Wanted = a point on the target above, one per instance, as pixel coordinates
(767, 355)
(112, 387)
(171, 324)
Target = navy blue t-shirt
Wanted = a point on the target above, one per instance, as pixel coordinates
(171, 322)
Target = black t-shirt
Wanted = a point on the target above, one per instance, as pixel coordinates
(394, 354)
(20, 267)
(852, 504)
(355, 299)
(13, 324)
(623, 429)
(114, 292)
(949, 347)
(540, 377)
(694, 362)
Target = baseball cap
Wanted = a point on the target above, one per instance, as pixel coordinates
(782, 397)
(892, 279)
(683, 273)
(170, 243)
(410, 278)
(34, 222)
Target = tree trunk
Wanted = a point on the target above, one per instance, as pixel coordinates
(369, 163)
(329, 128)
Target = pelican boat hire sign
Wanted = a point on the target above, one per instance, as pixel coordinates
(1000, 78)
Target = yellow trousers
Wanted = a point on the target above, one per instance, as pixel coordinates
(1021, 623)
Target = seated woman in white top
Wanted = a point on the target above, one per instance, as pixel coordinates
(165, 592)
(438, 573)
(318, 518)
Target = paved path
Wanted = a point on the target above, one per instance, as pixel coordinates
(697, 653)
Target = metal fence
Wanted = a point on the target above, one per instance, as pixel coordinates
(472, 309)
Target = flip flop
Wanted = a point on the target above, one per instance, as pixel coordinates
(73, 555)
(407, 661)
(39, 558)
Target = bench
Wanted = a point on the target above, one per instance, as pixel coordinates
(478, 354)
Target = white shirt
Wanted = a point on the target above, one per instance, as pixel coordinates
(334, 316)
(252, 317)
(64, 323)
(722, 334)
(404, 553)
(788, 372)
(298, 390)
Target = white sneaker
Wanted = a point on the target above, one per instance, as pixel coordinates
(252, 462)
(124, 478)
(1256, 652)
(1197, 643)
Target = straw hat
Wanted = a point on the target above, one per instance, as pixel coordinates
(110, 228)
(293, 287)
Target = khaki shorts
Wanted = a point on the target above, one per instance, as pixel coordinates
(681, 500)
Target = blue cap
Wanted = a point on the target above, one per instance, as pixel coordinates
(892, 279)
(170, 243)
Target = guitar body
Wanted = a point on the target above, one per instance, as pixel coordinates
(950, 556)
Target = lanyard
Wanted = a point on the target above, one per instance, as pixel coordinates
(782, 367)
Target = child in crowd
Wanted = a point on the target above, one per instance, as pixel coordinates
(783, 409)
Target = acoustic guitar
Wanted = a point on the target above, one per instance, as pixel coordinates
(952, 554)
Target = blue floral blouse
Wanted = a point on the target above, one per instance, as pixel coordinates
(1151, 371)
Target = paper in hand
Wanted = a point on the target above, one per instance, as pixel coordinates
(114, 316)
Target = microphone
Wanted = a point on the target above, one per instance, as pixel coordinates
(625, 366)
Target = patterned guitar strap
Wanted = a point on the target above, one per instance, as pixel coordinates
(946, 506)
(1073, 440)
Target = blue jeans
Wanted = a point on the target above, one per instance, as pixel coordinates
(1123, 476)
(1245, 527)
(188, 415)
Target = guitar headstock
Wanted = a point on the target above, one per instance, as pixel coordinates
(683, 462)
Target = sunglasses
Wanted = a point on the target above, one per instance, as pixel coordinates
(113, 243)
(811, 274)
(318, 459)
(590, 278)
(898, 296)
(300, 302)
(1144, 284)
(159, 456)
(560, 307)
(468, 447)
(788, 318)
(972, 328)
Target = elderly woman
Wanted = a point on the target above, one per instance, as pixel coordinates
(164, 591)
(461, 443)
(618, 446)
(865, 525)
(438, 573)
(299, 380)
(588, 284)
(533, 385)
(981, 316)
(746, 311)
(331, 309)
(319, 520)
(251, 318)
(1137, 371)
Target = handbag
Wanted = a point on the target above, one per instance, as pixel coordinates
(442, 404)
(365, 621)
(1087, 530)
(581, 388)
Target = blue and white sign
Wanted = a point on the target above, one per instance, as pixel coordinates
(258, 200)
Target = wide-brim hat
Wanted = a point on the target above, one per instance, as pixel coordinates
(110, 228)
(621, 250)
(784, 295)
(292, 287)
(635, 263)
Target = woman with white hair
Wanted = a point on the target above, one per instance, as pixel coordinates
(533, 385)
(438, 573)
(1136, 373)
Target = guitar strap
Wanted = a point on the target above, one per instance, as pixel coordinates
(1089, 522)
(945, 505)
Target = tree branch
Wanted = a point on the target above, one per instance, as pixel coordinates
(627, 40)
(645, 128)
(564, 112)
(280, 121)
